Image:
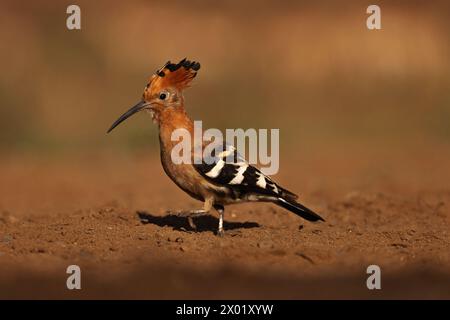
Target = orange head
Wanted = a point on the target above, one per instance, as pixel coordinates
(164, 90)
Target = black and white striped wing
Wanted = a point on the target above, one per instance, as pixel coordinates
(230, 169)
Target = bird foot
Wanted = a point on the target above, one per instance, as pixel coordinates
(188, 214)
(191, 223)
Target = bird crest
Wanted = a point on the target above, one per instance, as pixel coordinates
(177, 75)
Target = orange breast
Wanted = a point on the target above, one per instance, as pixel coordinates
(184, 175)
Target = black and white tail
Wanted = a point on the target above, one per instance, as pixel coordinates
(299, 209)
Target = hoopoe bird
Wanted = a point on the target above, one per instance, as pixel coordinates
(218, 184)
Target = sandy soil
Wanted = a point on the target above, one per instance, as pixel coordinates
(107, 214)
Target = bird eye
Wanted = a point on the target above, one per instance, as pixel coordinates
(163, 95)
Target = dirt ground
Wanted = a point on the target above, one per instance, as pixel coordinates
(107, 214)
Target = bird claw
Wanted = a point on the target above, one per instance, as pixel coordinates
(188, 214)
(191, 223)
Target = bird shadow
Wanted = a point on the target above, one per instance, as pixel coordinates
(202, 223)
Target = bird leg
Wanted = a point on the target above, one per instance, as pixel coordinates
(221, 210)
(194, 213)
(189, 214)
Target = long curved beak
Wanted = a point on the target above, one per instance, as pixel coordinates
(138, 107)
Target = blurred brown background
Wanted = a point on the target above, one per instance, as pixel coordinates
(364, 119)
(313, 70)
